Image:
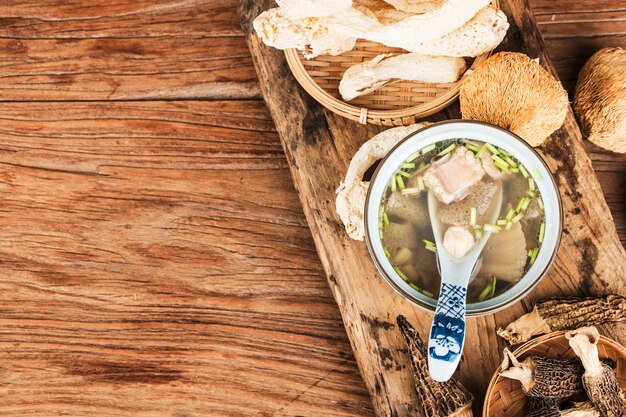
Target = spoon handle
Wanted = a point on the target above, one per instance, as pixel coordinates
(447, 333)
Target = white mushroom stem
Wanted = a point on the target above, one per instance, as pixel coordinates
(584, 342)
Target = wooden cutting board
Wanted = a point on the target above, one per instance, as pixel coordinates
(319, 146)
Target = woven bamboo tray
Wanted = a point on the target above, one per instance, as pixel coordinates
(396, 104)
(505, 398)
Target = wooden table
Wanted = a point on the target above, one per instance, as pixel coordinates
(155, 260)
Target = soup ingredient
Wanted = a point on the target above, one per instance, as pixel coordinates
(544, 377)
(514, 92)
(437, 399)
(370, 75)
(299, 9)
(452, 180)
(599, 379)
(489, 166)
(458, 241)
(479, 198)
(565, 314)
(543, 407)
(351, 193)
(505, 255)
(403, 209)
(581, 409)
(600, 100)
(427, 26)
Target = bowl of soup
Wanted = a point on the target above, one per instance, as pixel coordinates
(464, 163)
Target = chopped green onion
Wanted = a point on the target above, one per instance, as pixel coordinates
(510, 214)
(517, 218)
(496, 158)
(524, 172)
(504, 152)
(481, 150)
(387, 252)
(542, 232)
(433, 249)
(520, 204)
(526, 203)
(408, 165)
(508, 226)
(503, 167)
(393, 185)
(420, 183)
(472, 147)
(428, 149)
(410, 191)
(492, 148)
(510, 161)
(473, 216)
(478, 234)
(447, 150)
(428, 293)
(428, 242)
(415, 287)
(493, 287)
(413, 157)
(501, 222)
(531, 184)
(533, 255)
(514, 169)
(491, 228)
(485, 292)
(400, 182)
(385, 218)
(530, 193)
(402, 274)
(404, 174)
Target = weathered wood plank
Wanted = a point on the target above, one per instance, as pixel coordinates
(126, 69)
(319, 145)
(145, 271)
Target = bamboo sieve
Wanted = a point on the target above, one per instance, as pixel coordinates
(396, 104)
(505, 397)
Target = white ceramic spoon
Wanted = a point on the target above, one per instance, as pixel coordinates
(447, 333)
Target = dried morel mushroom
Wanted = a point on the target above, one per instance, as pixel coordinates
(543, 407)
(599, 380)
(438, 399)
(565, 314)
(514, 92)
(600, 101)
(350, 202)
(544, 377)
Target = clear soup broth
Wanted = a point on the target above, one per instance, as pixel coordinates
(516, 236)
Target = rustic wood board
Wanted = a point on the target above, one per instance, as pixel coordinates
(319, 145)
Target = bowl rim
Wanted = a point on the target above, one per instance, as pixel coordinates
(537, 341)
(477, 311)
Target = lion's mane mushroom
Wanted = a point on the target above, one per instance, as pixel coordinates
(438, 399)
(600, 99)
(544, 377)
(543, 407)
(565, 314)
(599, 380)
(350, 202)
(516, 93)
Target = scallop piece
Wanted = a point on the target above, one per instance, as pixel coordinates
(505, 254)
(408, 209)
(457, 241)
(452, 180)
(480, 197)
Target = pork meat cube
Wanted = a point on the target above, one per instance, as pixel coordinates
(451, 180)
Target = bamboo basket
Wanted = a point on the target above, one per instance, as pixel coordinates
(396, 104)
(505, 397)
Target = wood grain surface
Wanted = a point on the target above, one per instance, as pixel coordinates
(155, 258)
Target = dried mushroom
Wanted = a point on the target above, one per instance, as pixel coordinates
(516, 93)
(600, 100)
(543, 407)
(599, 379)
(581, 409)
(438, 399)
(544, 377)
(565, 314)
(350, 202)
